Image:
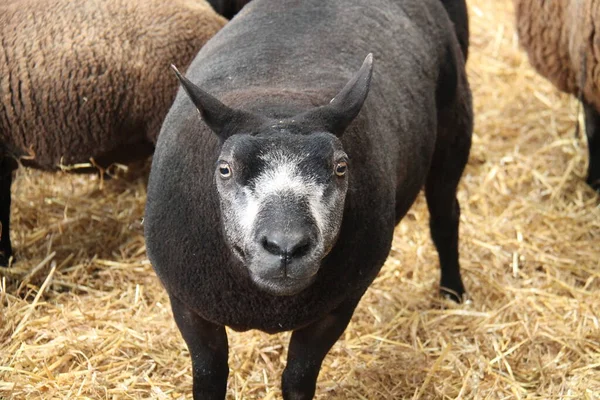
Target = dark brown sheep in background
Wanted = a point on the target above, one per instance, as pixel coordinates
(82, 80)
(561, 40)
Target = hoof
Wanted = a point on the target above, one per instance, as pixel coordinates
(6, 260)
(455, 296)
(594, 183)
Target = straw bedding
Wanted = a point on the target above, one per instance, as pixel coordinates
(83, 316)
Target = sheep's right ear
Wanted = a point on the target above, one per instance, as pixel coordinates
(222, 120)
(345, 106)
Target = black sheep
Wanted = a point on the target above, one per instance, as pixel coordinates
(228, 8)
(277, 210)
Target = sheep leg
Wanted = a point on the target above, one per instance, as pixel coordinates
(443, 224)
(449, 160)
(207, 343)
(6, 170)
(592, 125)
(308, 347)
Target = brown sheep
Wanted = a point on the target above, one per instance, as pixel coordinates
(560, 40)
(82, 80)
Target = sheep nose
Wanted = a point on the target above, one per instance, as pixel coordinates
(287, 245)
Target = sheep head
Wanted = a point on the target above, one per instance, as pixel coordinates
(282, 183)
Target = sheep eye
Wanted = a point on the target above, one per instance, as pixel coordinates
(341, 168)
(224, 170)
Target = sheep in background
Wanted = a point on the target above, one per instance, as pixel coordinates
(560, 38)
(83, 80)
(276, 209)
(228, 8)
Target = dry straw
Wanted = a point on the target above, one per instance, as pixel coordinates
(83, 316)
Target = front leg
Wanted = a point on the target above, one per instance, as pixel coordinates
(7, 166)
(308, 347)
(207, 343)
(592, 125)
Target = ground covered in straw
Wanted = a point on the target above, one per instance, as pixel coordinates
(83, 316)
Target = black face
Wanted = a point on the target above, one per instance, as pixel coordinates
(282, 198)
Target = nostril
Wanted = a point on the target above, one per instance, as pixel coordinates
(299, 249)
(271, 246)
(287, 246)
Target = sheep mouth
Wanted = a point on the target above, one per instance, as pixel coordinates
(282, 286)
(239, 253)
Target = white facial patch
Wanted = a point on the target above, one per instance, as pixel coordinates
(282, 175)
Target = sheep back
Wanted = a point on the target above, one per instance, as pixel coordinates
(90, 79)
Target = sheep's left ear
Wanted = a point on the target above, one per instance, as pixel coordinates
(345, 106)
(222, 120)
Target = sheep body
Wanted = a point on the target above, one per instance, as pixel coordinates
(560, 39)
(82, 80)
(86, 79)
(278, 59)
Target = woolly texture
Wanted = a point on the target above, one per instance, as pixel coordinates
(90, 79)
(559, 38)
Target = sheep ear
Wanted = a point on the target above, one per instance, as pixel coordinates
(345, 106)
(222, 120)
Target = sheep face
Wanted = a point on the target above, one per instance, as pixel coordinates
(282, 183)
(282, 200)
